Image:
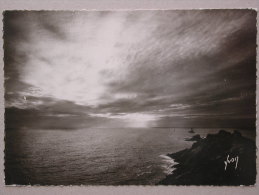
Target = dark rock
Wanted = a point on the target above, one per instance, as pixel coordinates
(203, 163)
(194, 138)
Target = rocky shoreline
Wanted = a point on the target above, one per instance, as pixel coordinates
(219, 159)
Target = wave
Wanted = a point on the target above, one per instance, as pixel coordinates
(168, 164)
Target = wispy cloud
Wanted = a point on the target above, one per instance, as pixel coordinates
(144, 64)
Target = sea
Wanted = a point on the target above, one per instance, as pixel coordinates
(96, 156)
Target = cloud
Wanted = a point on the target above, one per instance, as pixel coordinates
(75, 68)
(133, 65)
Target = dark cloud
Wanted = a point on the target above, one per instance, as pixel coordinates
(228, 71)
(195, 67)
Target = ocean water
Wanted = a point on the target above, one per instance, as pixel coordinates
(94, 156)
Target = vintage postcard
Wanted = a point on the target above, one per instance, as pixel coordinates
(144, 97)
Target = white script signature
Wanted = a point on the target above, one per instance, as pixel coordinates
(231, 160)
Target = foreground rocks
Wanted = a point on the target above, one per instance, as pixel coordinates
(220, 159)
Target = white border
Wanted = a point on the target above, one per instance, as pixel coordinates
(117, 5)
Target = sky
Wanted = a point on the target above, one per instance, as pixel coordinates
(69, 70)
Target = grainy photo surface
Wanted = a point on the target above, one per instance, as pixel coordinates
(154, 97)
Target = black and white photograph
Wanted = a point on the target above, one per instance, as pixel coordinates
(130, 97)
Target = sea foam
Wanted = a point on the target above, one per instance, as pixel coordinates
(168, 164)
